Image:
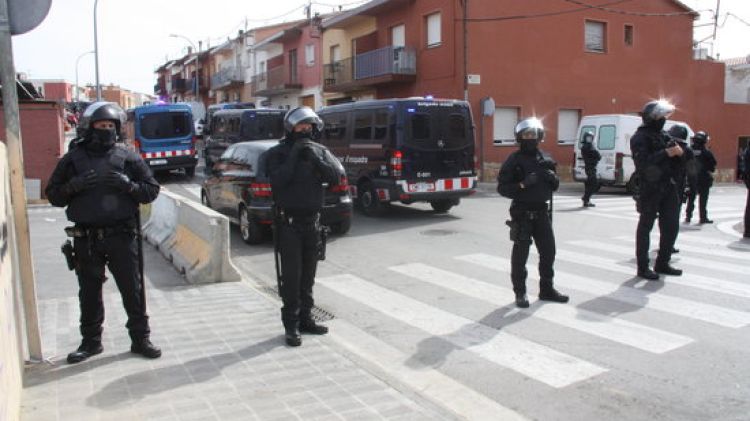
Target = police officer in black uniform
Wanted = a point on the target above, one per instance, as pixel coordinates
(654, 155)
(528, 177)
(705, 165)
(298, 167)
(591, 158)
(102, 183)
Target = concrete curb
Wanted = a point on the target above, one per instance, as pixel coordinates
(194, 238)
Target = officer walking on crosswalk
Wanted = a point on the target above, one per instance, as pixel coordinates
(528, 177)
(591, 158)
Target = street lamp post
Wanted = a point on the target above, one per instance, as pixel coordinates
(96, 56)
(196, 85)
(78, 88)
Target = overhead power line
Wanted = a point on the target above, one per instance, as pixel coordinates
(626, 12)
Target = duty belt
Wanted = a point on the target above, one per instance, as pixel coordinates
(300, 220)
(97, 232)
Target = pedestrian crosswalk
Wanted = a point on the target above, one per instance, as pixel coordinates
(599, 268)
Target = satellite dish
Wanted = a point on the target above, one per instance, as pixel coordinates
(25, 15)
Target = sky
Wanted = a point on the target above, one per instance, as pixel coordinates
(134, 35)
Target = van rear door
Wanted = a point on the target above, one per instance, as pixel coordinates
(438, 140)
(165, 130)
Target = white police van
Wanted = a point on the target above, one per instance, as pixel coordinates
(612, 133)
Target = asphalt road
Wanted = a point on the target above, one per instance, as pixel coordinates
(435, 289)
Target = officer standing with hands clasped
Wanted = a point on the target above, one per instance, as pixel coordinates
(528, 177)
(654, 155)
(298, 167)
(591, 158)
(705, 165)
(102, 183)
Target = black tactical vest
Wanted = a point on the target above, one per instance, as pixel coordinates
(101, 205)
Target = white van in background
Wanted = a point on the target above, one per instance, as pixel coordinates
(612, 134)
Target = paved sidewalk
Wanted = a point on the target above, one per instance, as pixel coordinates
(224, 355)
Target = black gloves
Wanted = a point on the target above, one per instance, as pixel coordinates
(530, 179)
(119, 181)
(82, 182)
(552, 179)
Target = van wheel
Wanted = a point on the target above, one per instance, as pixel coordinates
(443, 206)
(250, 231)
(190, 172)
(368, 200)
(342, 227)
(204, 199)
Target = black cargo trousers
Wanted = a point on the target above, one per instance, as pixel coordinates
(117, 248)
(533, 225)
(298, 248)
(591, 184)
(663, 203)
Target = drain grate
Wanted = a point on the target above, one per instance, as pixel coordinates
(318, 314)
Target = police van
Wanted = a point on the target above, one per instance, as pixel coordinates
(164, 136)
(403, 150)
(240, 125)
(612, 133)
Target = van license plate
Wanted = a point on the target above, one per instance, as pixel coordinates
(421, 187)
(157, 162)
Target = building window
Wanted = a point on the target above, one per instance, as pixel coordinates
(433, 30)
(629, 35)
(503, 126)
(310, 54)
(335, 53)
(567, 124)
(595, 36)
(398, 36)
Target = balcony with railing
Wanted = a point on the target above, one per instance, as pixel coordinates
(227, 77)
(277, 81)
(377, 67)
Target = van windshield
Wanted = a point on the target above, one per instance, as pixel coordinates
(262, 126)
(438, 126)
(165, 125)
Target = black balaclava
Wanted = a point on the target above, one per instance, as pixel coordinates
(657, 124)
(528, 146)
(300, 135)
(101, 140)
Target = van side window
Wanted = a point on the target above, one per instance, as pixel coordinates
(606, 139)
(585, 129)
(420, 126)
(220, 125)
(334, 128)
(362, 126)
(381, 125)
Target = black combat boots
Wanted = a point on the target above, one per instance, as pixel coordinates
(291, 335)
(87, 349)
(522, 301)
(551, 294)
(648, 274)
(308, 325)
(145, 348)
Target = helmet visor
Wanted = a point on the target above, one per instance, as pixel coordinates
(662, 109)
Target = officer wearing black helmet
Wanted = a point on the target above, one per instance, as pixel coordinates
(591, 158)
(102, 184)
(705, 165)
(298, 167)
(655, 155)
(746, 178)
(528, 177)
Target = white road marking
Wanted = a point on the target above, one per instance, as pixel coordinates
(536, 361)
(616, 330)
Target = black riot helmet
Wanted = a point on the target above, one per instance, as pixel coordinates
(300, 115)
(701, 138)
(101, 111)
(588, 137)
(656, 113)
(679, 132)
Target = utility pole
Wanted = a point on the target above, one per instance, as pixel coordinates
(17, 190)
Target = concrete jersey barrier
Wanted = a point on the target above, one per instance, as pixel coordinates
(194, 238)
